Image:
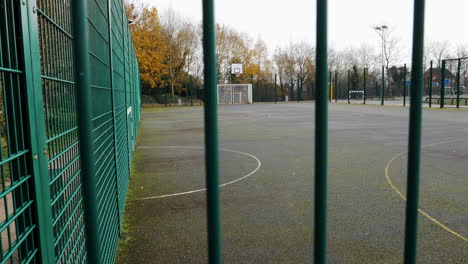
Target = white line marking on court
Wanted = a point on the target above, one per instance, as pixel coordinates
(259, 164)
(387, 176)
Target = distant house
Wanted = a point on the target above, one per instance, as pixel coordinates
(436, 76)
(436, 80)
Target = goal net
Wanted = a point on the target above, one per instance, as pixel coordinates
(234, 93)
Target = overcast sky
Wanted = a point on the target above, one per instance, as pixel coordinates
(279, 22)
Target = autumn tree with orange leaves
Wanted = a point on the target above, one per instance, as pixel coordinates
(150, 46)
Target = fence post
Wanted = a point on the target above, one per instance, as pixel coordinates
(365, 85)
(81, 56)
(321, 137)
(191, 90)
(442, 85)
(35, 113)
(276, 87)
(291, 89)
(112, 91)
(211, 135)
(251, 80)
(458, 83)
(414, 144)
(430, 85)
(165, 93)
(336, 86)
(404, 85)
(349, 86)
(330, 86)
(298, 88)
(382, 89)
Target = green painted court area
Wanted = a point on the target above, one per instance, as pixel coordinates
(267, 198)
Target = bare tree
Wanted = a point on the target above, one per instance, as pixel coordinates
(350, 57)
(438, 50)
(366, 56)
(462, 51)
(280, 59)
(303, 54)
(183, 42)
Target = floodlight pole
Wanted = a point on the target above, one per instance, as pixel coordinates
(382, 37)
(382, 90)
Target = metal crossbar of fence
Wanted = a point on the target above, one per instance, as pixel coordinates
(321, 130)
(69, 115)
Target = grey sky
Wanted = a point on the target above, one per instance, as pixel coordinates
(350, 21)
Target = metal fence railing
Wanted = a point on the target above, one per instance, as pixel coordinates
(445, 85)
(48, 155)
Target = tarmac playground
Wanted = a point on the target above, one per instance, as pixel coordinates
(266, 165)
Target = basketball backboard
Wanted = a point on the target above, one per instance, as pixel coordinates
(236, 69)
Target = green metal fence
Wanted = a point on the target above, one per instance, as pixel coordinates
(49, 157)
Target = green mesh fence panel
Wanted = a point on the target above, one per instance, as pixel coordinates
(59, 93)
(18, 231)
(42, 215)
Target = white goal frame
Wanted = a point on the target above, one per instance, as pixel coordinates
(357, 92)
(234, 94)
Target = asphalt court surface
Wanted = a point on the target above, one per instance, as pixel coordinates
(267, 204)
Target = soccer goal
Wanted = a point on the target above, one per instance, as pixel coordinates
(234, 93)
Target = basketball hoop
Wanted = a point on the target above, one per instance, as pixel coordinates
(237, 72)
(236, 69)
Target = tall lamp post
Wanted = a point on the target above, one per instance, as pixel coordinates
(381, 31)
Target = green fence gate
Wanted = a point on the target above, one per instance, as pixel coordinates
(48, 156)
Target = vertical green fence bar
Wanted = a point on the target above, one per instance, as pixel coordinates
(35, 106)
(458, 82)
(442, 85)
(415, 124)
(321, 137)
(298, 88)
(276, 88)
(252, 81)
(430, 84)
(365, 85)
(191, 90)
(81, 38)
(211, 134)
(330, 86)
(165, 93)
(404, 85)
(349, 86)
(112, 87)
(382, 89)
(336, 87)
